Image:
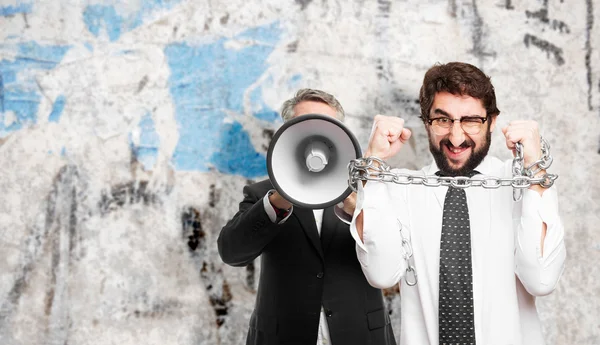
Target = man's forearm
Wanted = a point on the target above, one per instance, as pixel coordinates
(359, 225)
(540, 190)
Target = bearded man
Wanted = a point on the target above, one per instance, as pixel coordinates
(481, 258)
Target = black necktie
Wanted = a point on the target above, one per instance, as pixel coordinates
(456, 320)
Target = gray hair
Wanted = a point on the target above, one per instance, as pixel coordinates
(287, 110)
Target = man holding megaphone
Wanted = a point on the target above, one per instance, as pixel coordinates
(311, 288)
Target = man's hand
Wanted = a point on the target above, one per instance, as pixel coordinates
(279, 202)
(345, 209)
(528, 134)
(350, 203)
(387, 137)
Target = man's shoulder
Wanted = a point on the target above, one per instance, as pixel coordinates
(495, 161)
(261, 187)
(496, 167)
(420, 172)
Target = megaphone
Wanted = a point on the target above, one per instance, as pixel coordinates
(308, 158)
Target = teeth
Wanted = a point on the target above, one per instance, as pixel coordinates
(454, 149)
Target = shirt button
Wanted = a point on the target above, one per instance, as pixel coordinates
(320, 275)
(328, 313)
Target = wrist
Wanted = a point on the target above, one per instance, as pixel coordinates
(536, 187)
(374, 162)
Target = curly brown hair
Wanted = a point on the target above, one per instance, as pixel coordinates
(457, 78)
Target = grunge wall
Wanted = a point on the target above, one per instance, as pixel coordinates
(128, 129)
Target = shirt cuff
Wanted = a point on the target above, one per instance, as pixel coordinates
(365, 200)
(538, 209)
(360, 198)
(270, 210)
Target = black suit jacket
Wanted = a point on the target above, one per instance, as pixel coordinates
(300, 272)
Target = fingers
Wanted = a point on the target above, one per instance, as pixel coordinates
(520, 131)
(510, 143)
(525, 129)
(527, 133)
(387, 136)
(406, 133)
(389, 126)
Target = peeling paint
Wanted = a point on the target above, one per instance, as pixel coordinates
(22, 8)
(20, 93)
(207, 81)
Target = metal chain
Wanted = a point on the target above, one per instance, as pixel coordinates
(375, 169)
(411, 273)
(365, 169)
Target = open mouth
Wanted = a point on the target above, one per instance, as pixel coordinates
(456, 153)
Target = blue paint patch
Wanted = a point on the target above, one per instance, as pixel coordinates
(237, 155)
(206, 82)
(146, 151)
(34, 55)
(89, 46)
(295, 79)
(20, 94)
(1, 94)
(98, 17)
(260, 109)
(57, 109)
(267, 115)
(8, 77)
(6, 11)
(23, 105)
(266, 34)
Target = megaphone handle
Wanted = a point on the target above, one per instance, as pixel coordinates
(343, 216)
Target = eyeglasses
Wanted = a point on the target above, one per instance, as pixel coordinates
(470, 124)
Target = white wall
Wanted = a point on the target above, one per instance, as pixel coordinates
(124, 126)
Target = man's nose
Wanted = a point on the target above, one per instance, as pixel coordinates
(457, 135)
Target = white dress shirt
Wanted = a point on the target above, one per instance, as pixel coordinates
(323, 335)
(509, 269)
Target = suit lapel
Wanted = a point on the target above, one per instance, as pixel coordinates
(329, 227)
(306, 218)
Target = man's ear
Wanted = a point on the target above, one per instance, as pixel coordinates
(493, 122)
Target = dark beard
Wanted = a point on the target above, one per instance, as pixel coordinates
(474, 160)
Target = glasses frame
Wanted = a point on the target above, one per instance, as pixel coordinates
(461, 120)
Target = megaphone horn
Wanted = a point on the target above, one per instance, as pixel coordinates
(308, 158)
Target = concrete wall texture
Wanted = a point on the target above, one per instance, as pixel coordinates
(128, 129)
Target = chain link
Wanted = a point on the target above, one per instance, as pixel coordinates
(375, 169)
(411, 274)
